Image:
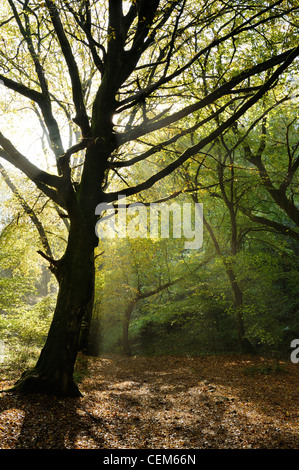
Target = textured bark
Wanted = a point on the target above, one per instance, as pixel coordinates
(85, 340)
(53, 372)
(125, 327)
(244, 344)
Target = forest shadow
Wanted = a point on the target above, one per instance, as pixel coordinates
(201, 402)
(154, 403)
(42, 422)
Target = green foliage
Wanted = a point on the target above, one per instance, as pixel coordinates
(24, 331)
(25, 315)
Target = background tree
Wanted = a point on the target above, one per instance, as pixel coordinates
(27, 296)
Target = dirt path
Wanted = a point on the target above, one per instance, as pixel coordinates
(161, 403)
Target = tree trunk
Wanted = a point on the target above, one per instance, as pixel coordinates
(53, 373)
(244, 344)
(85, 332)
(126, 325)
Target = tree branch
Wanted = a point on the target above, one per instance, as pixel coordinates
(45, 102)
(166, 143)
(247, 25)
(278, 227)
(213, 135)
(81, 116)
(85, 25)
(22, 89)
(41, 178)
(154, 125)
(12, 155)
(29, 211)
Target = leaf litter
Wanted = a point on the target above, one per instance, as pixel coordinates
(161, 403)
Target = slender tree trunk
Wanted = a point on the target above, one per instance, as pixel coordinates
(44, 281)
(129, 310)
(244, 344)
(125, 327)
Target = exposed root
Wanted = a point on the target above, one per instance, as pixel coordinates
(32, 382)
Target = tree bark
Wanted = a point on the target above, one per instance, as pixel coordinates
(85, 332)
(244, 344)
(53, 372)
(125, 327)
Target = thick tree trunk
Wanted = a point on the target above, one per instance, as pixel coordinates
(75, 274)
(53, 372)
(85, 340)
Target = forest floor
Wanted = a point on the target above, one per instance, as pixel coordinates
(227, 402)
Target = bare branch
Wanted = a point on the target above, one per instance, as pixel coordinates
(22, 89)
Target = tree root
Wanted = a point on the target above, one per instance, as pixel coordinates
(32, 382)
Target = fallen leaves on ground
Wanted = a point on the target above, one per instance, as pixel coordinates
(161, 403)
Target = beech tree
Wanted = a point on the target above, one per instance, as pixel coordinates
(120, 71)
